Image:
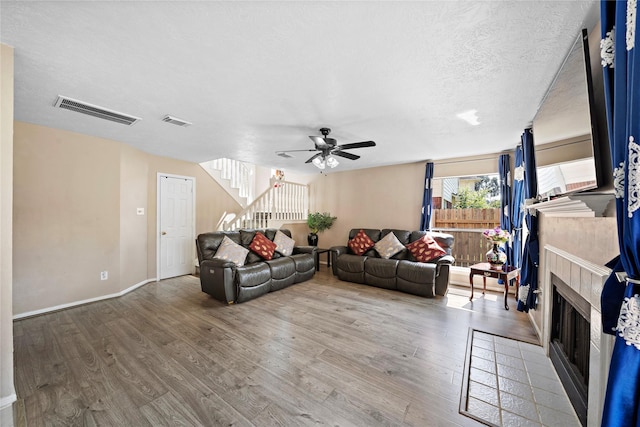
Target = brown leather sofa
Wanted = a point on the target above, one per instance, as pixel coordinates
(227, 282)
(401, 272)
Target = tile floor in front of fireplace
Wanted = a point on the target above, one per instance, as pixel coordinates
(513, 383)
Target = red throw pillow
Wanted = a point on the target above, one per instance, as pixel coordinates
(361, 243)
(262, 246)
(425, 249)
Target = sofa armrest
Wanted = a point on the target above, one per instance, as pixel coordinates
(336, 251)
(218, 263)
(216, 279)
(446, 259)
(443, 265)
(304, 250)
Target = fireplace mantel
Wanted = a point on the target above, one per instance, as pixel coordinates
(574, 205)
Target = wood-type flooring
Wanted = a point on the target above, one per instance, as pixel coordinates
(322, 352)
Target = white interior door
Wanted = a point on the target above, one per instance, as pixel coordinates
(176, 226)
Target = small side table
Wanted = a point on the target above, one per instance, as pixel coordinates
(506, 273)
(322, 251)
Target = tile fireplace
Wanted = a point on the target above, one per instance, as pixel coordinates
(571, 331)
(569, 345)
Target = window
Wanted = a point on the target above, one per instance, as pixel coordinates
(465, 206)
(475, 192)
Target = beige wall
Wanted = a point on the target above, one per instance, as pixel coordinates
(75, 214)
(7, 390)
(134, 172)
(66, 217)
(384, 197)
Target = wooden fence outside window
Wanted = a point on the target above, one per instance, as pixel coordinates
(467, 225)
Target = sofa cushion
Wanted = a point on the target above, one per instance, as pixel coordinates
(284, 243)
(283, 273)
(252, 280)
(361, 243)
(231, 251)
(380, 272)
(388, 246)
(305, 266)
(416, 278)
(425, 249)
(350, 268)
(262, 246)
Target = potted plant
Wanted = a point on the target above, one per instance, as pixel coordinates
(318, 222)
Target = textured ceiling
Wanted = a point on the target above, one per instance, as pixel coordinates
(258, 77)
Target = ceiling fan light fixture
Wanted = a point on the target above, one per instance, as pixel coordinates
(328, 150)
(319, 163)
(332, 162)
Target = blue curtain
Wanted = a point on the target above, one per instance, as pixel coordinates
(425, 222)
(517, 208)
(622, 97)
(504, 172)
(530, 256)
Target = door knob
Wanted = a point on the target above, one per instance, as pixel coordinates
(164, 232)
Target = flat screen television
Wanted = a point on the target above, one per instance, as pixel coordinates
(569, 129)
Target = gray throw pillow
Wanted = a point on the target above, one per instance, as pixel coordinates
(231, 251)
(284, 243)
(388, 246)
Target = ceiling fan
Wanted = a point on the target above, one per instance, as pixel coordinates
(328, 148)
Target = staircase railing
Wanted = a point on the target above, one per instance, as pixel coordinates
(288, 201)
(239, 175)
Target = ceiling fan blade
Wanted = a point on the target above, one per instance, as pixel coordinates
(293, 151)
(345, 155)
(357, 145)
(323, 142)
(313, 157)
(318, 140)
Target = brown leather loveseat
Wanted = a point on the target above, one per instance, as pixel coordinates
(401, 271)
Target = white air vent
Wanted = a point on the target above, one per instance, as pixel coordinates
(285, 155)
(176, 121)
(94, 110)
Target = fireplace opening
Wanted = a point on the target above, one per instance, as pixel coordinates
(570, 341)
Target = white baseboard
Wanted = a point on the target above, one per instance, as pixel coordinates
(86, 301)
(7, 401)
(538, 331)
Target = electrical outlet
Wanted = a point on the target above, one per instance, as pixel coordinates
(104, 275)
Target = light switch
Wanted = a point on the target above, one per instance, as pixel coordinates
(140, 211)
